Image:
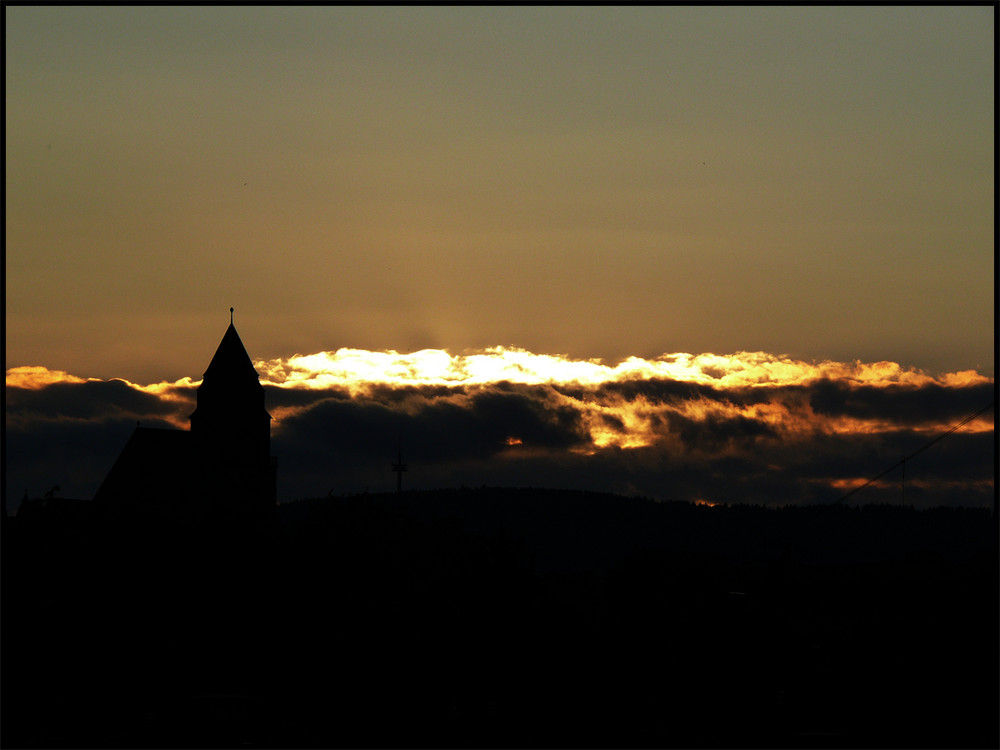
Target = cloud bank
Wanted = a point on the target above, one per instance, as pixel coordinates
(748, 427)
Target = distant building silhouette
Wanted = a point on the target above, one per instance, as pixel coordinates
(54, 511)
(220, 470)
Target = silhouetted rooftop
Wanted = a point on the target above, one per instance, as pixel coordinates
(152, 460)
(231, 358)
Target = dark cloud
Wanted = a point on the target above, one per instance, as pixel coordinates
(530, 416)
(538, 435)
(295, 398)
(391, 394)
(714, 432)
(656, 390)
(903, 404)
(474, 426)
(100, 400)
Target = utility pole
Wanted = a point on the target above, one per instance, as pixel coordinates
(399, 467)
(902, 484)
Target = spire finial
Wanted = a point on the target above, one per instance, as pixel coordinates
(230, 316)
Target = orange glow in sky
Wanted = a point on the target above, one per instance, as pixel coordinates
(610, 419)
(469, 237)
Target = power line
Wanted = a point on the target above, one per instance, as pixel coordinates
(925, 446)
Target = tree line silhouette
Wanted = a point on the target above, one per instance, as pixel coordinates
(500, 617)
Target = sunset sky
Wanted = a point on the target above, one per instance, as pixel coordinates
(808, 190)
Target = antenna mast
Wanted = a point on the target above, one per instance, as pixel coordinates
(399, 467)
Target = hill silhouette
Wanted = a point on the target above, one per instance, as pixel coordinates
(505, 617)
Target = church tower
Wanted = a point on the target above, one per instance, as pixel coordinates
(218, 475)
(231, 429)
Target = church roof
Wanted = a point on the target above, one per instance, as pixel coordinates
(153, 460)
(231, 359)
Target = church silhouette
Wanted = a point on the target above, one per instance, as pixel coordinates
(219, 471)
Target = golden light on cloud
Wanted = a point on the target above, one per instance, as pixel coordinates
(611, 418)
(358, 368)
(678, 416)
(34, 377)
(614, 421)
(165, 390)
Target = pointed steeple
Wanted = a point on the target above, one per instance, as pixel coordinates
(230, 418)
(231, 359)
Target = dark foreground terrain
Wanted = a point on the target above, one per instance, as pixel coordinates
(508, 618)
